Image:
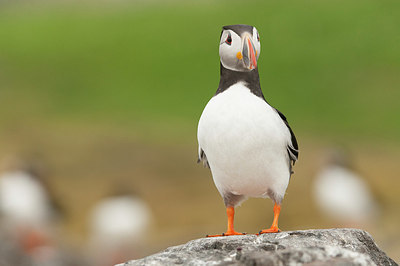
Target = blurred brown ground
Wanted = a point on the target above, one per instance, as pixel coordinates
(84, 164)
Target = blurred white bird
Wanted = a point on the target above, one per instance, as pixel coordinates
(27, 210)
(118, 228)
(23, 200)
(342, 195)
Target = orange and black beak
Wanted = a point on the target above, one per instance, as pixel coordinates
(249, 53)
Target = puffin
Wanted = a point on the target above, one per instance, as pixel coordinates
(247, 144)
(119, 225)
(342, 194)
(29, 210)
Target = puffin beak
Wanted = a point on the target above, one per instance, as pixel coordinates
(249, 56)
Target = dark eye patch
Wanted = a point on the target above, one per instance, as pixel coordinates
(228, 39)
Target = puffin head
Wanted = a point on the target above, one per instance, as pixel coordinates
(239, 47)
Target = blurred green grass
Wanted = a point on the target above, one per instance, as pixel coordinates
(332, 67)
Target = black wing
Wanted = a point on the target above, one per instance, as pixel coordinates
(292, 148)
(203, 158)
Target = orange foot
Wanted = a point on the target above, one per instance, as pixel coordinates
(270, 230)
(230, 211)
(274, 227)
(232, 233)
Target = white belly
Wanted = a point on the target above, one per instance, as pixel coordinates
(245, 142)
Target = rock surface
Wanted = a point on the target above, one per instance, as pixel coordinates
(308, 247)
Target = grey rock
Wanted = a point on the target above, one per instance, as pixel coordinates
(309, 247)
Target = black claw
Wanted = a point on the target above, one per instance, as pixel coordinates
(223, 234)
(207, 235)
(260, 232)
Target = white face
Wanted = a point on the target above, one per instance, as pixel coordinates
(239, 53)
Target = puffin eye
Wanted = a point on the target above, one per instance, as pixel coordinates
(228, 39)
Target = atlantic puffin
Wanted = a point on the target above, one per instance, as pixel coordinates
(342, 194)
(248, 144)
(119, 225)
(29, 210)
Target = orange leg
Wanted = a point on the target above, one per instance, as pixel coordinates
(274, 227)
(230, 211)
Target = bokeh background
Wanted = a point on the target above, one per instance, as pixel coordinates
(101, 93)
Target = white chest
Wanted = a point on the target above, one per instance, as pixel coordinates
(238, 116)
(245, 142)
